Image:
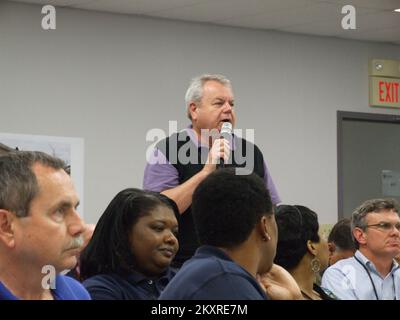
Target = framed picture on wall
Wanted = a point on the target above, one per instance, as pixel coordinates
(71, 150)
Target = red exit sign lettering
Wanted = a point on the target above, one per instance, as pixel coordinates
(384, 92)
(388, 91)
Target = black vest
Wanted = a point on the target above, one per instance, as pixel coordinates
(188, 159)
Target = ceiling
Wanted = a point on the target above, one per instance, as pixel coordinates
(375, 19)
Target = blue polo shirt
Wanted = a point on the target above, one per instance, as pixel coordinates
(132, 287)
(211, 275)
(66, 289)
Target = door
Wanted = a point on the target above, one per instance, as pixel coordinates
(368, 159)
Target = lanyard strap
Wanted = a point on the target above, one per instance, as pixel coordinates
(372, 281)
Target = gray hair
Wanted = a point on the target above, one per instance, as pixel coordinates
(18, 183)
(195, 91)
(358, 218)
(4, 149)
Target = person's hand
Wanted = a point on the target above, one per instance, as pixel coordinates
(279, 284)
(220, 149)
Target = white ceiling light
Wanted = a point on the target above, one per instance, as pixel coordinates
(397, 10)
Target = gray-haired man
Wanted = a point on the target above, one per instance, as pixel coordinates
(372, 274)
(183, 160)
(40, 229)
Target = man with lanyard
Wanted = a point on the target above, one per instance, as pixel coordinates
(183, 160)
(372, 274)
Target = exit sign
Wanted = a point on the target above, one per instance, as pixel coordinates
(384, 83)
(384, 92)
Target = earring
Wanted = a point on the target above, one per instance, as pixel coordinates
(315, 265)
(266, 238)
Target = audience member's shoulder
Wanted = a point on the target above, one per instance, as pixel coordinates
(201, 269)
(214, 264)
(102, 279)
(68, 288)
(230, 267)
(229, 286)
(340, 267)
(171, 272)
(108, 287)
(343, 262)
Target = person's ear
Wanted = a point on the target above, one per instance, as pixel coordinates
(331, 247)
(7, 219)
(193, 108)
(360, 235)
(312, 248)
(264, 229)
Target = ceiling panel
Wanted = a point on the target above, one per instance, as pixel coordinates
(327, 28)
(60, 3)
(134, 6)
(384, 34)
(378, 20)
(290, 17)
(332, 24)
(375, 19)
(220, 10)
(372, 4)
(380, 26)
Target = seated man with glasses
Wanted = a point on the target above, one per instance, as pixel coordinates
(372, 274)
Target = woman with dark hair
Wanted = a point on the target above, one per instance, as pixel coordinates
(132, 247)
(301, 250)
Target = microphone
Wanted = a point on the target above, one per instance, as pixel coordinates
(226, 133)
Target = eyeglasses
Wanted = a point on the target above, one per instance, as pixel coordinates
(386, 226)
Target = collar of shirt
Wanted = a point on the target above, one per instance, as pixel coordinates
(205, 251)
(370, 265)
(61, 291)
(6, 294)
(136, 277)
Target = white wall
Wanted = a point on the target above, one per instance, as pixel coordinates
(110, 78)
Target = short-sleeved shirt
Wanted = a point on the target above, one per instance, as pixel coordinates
(179, 157)
(160, 174)
(66, 288)
(212, 275)
(132, 287)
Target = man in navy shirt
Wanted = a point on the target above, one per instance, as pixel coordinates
(40, 229)
(236, 227)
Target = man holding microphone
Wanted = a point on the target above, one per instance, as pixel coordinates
(180, 162)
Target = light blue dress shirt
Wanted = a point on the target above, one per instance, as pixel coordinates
(348, 279)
